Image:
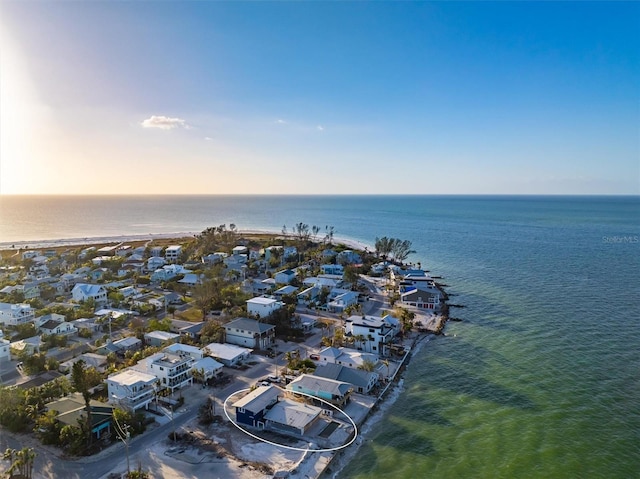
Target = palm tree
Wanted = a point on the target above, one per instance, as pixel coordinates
(80, 382)
(386, 363)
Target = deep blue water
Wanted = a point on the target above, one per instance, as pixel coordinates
(541, 379)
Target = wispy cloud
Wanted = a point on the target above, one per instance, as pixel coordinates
(320, 128)
(164, 122)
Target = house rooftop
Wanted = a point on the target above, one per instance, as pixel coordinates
(262, 300)
(259, 398)
(320, 384)
(226, 351)
(249, 325)
(293, 413)
(131, 377)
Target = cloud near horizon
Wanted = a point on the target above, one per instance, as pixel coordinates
(164, 122)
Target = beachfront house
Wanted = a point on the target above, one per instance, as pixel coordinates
(334, 392)
(372, 333)
(250, 409)
(250, 333)
(420, 298)
(362, 381)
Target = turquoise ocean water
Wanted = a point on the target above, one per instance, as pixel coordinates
(541, 379)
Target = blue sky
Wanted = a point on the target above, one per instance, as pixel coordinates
(320, 97)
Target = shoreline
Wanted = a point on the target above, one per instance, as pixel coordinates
(94, 240)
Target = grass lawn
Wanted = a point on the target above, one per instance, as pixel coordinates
(191, 314)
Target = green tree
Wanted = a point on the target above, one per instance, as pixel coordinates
(81, 382)
(367, 365)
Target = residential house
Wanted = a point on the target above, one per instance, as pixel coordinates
(107, 250)
(97, 274)
(31, 290)
(184, 350)
(172, 371)
(58, 318)
(284, 291)
(159, 338)
(186, 328)
(168, 272)
(250, 409)
(374, 332)
(173, 253)
(208, 367)
(330, 390)
(421, 299)
(285, 277)
(335, 269)
(190, 279)
(155, 262)
(347, 357)
(308, 295)
(362, 381)
(267, 408)
(71, 410)
(92, 360)
(59, 328)
(131, 388)
(250, 333)
(155, 251)
(227, 354)
(348, 257)
(130, 343)
(341, 299)
(87, 324)
(123, 250)
(16, 314)
(29, 346)
(84, 291)
(214, 258)
(262, 307)
(237, 250)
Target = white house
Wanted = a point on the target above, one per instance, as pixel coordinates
(341, 299)
(250, 333)
(374, 332)
(285, 277)
(346, 357)
(131, 388)
(239, 250)
(208, 366)
(227, 354)
(155, 262)
(180, 349)
(172, 253)
(59, 328)
(214, 258)
(15, 314)
(84, 291)
(155, 251)
(262, 307)
(172, 371)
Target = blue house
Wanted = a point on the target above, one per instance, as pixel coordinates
(330, 390)
(251, 409)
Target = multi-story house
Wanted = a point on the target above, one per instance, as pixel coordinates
(250, 333)
(85, 291)
(131, 388)
(172, 253)
(172, 371)
(373, 333)
(15, 314)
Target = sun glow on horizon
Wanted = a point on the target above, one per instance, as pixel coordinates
(22, 122)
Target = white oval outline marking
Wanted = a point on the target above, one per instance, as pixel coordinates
(332, 449)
